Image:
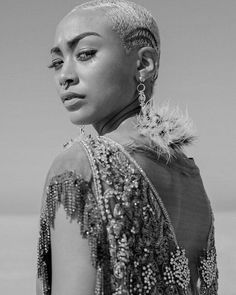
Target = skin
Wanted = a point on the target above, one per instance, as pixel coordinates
(99, 68)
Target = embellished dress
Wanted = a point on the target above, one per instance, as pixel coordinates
(145, 213)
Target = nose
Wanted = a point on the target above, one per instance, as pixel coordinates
(68, 75)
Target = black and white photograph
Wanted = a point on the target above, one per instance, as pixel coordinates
(118, 147)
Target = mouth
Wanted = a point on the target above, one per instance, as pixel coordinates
(71, 96)
(72, 101)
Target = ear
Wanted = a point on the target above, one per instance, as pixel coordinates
(146, 63)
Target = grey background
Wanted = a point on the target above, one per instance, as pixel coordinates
(198, 70)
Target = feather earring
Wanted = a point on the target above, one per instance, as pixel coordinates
(168, 129)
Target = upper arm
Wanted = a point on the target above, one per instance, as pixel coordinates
(66, 262)
(72, 271)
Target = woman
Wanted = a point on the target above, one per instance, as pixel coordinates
(124, 212)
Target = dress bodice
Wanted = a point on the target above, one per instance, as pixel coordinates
(148, 220)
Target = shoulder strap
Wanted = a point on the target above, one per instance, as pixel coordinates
(144, 175)
(143, 250)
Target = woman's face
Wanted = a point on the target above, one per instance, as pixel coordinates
(94, 75)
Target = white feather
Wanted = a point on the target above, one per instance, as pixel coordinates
(168, 129)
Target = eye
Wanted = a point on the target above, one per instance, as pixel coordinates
(86, 55)
(56, 64)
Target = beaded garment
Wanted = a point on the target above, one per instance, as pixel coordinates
(133, 244)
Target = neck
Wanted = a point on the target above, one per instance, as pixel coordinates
(110, 124)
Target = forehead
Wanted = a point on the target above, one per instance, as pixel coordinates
(82, 21)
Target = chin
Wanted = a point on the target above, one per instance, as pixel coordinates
(77, 121)
(77, 118)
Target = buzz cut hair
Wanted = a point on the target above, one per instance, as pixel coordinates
(134, 24)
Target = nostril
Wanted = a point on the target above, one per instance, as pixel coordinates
(66, 84)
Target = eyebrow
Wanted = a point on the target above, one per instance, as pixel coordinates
(72, 43)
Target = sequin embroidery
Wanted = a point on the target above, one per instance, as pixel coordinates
(141, 242)
(75, 195)
(133, 246)
(208, 268)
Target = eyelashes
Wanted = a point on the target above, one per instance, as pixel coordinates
(81, 56)
(86, 55)
(56, 64)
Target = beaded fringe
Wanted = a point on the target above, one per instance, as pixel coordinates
(73, 192)
(129, 258)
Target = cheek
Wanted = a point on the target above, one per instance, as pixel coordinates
(116, 79)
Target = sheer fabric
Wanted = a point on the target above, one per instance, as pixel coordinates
(148, 221)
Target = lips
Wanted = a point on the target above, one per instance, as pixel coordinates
(72, 101)
(71, 95)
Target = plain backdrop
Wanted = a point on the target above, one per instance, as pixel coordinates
(197, 71)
